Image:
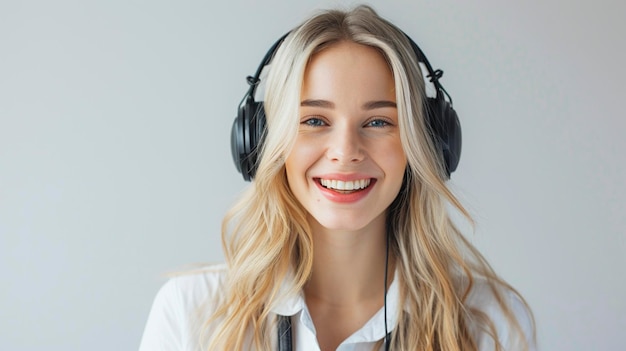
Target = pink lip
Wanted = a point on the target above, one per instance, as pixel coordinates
(338, 197)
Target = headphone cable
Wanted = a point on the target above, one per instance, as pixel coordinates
(387, 336)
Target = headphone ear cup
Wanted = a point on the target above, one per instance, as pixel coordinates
(246, 132)
(236, 142)
(445, 129)
(257, 135)
(452, 154)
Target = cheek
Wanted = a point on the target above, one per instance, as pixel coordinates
(302, 156)
(297, 162)
(393, 158)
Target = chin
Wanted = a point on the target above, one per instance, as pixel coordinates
(342, 222)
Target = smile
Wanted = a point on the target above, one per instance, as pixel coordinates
(345, 185)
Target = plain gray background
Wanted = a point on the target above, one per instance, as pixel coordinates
(115, 162)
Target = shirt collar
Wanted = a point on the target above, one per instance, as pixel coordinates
(373, 330)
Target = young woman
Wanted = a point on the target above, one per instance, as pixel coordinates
(344, 241)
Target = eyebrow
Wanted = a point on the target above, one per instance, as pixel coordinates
(317, 103)
(370, 105)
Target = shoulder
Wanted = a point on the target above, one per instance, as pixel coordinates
(487, 300)
(183, 304)
(194, 286)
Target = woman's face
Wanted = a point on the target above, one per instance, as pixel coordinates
(347, 163)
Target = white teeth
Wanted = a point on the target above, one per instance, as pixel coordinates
(345, 185)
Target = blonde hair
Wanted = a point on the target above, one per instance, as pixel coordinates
(267, 240)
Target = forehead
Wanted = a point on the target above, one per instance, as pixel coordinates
(348, 67)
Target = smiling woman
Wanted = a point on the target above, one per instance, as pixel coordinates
(344, 241)
(348, 134)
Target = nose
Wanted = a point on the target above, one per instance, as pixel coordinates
(345, 145)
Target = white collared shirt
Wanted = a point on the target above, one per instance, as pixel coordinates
(183, 305)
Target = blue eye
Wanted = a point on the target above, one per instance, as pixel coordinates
(314, 122)
(378, 123)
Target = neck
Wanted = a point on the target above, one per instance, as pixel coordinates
(348, 266)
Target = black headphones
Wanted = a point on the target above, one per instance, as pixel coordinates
(248, 128)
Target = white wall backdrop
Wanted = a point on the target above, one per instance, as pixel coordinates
(115, 163)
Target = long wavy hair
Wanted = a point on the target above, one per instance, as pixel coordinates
(267, 240)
